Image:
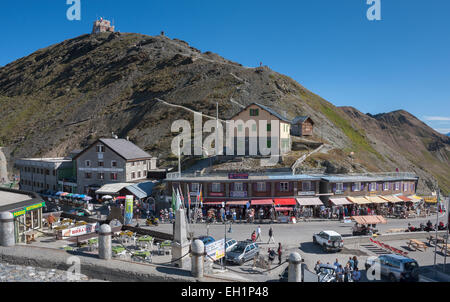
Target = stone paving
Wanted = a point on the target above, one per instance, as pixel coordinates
(19, 273)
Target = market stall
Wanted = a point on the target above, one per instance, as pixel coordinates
(307, 205)
(366, 225)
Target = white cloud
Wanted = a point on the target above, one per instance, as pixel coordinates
(443, 130)
(437, 118)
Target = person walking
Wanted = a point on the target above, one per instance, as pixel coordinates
(258, 233)
(254, 236)
(271, 236)
(280, 253)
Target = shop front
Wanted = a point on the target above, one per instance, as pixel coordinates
(28, 222)
(26, 208)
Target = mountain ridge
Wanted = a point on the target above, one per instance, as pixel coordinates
(93, 85)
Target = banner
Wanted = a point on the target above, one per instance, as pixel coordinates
(80, 230)
(129, 199)
(215, 250)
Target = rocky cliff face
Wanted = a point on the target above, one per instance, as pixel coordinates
(67, 95)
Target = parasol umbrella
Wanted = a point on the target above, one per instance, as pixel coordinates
(59, 193)
(107, 197)
(87, 198)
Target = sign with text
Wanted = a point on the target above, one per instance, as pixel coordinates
(237, 176)
(215, 250)
(80, 230)
(129, 209)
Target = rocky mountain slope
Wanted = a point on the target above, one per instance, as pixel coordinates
(65, 96)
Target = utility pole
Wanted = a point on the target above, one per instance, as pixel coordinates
(436, 227)
(446, 238)
(179, 158)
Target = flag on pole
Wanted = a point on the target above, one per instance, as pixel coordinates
(174, 200)
(180, 193)
(189, 196)
(201, 198)
(178, 202)
(439, 203)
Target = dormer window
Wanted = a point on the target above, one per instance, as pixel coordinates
(100, 149)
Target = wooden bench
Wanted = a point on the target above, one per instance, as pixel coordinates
(433, 239)
(417, 244)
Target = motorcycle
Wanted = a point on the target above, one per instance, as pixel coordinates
(152, 221)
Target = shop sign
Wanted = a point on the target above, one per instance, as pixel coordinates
(215, 194)
(304, 193)
(19, 213)
(27, 209)
(238, 194)
(215, 250)
(129, 209)
(430, 199)
(80, 230)
(237, 176)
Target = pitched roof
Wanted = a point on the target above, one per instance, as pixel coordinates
(125, 148)
(270, 110)
(273, 112)
(300, 119)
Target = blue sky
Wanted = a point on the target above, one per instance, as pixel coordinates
(329, 46)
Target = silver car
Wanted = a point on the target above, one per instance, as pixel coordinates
(242, 252)
(396, 267)
(230, 244)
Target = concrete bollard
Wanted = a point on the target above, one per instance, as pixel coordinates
(7, 229)
(197, 253)
(104, 242)
(295, 272)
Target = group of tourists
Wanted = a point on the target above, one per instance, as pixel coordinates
(348, 273)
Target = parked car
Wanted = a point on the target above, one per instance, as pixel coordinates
(329, 240)
(396, 267)
(242, 252)
(327, 273)
(206, 239)
(230, 244)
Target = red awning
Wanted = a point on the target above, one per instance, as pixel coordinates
(283, 209)
(237, 203)
(404, 198)
(121, 197)
(262, 202)
(285, 202)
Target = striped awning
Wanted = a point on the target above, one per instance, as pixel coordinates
(376, 199)
(369, 219)
(359, 200)
(340, 201)
(404, 198)
(262, 202)
(415, 198)
(391, 198)
(312, 201)
(237, 203)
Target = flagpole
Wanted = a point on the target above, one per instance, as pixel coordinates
(446, 238)
(436, 227)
